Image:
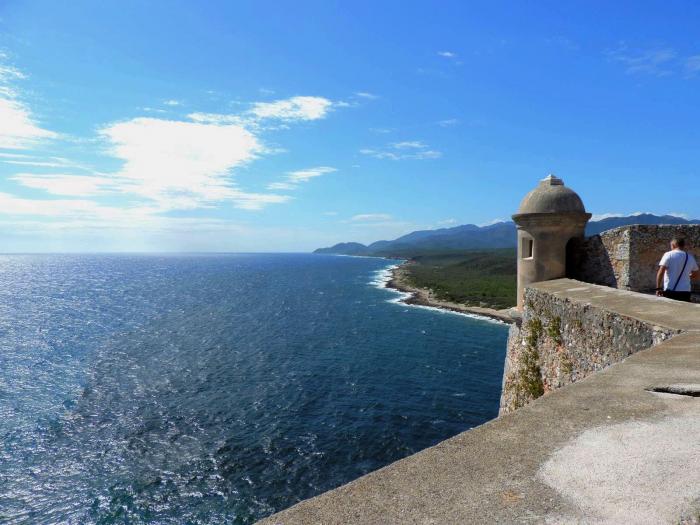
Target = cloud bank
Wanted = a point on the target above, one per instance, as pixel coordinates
(165, 164)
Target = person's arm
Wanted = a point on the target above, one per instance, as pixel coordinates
(660, 280)
(695, 273)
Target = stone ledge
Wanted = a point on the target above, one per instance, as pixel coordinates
(646, 308)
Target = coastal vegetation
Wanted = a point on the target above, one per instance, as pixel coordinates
(475, 278)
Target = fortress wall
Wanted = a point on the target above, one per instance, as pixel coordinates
(560, 342)
(627, 257)
(600, 259)
(648, 244)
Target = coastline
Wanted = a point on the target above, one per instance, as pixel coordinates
(426, 297)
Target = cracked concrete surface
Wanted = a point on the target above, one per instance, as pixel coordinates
(642, 472)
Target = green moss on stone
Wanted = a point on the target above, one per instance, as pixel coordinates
(534, 331)
(566, 365)
(554, 330)
(529, 384)
(530, 374)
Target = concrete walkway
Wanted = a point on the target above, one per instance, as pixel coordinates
(602, 450)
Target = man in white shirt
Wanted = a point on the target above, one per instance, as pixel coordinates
(676, 269)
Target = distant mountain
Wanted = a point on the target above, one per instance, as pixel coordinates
(472, 237)
(345, 248)
(595, 227)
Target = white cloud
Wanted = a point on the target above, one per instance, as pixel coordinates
(35, 163)
(447, 54)
(78, 216)
(67, 185)
(285, 110)
(295, 108)
(172, 102)
(492, 222)
(406, 150)
(448, 122)
(184, 165)
(18, 128)
(371, 217)
(167, 164)
(216, 118)
(660, 61)
(170, 164)
(281, 186)
(409, 144)
(14, 156)
(365, 94)
(23, 160)
(447, 222)
(68, 208)
(308, 174)
(256, 201)
(8, 73)
(383, 131)
(174, 165)
(294, 178)
(154, 110)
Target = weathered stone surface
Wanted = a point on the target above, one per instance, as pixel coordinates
(627, 257)
(551, 196)
(562, 341)
(648, 244)
(600, 259)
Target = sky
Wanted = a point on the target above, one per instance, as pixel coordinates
(285, 126)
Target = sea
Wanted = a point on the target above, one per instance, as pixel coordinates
(220, 388)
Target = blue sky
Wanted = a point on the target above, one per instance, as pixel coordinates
(284, 126)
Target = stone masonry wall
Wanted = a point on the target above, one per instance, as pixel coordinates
(627, 257)
(600, 259)
(560, 342)
(648, 244)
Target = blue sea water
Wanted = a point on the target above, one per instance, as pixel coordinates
(219, 388)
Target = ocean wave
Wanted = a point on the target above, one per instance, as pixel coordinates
(382, 277)
(453, 312)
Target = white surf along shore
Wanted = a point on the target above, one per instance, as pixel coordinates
(394, 278)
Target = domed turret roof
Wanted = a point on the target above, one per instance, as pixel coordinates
(551, 196)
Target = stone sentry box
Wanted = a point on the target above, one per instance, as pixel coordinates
(548, 218)
(557, 341)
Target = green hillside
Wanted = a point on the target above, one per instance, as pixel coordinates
(476, 278)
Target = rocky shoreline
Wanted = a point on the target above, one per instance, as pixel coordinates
(426, 297)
